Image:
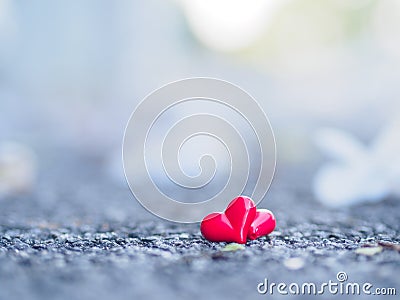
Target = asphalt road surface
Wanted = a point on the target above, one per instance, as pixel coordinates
(80, 236)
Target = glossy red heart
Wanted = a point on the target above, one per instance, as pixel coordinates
(233, 224)
(264, 223)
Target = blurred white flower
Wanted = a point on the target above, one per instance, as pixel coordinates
(17, 168)
(229, 25)
(358, 172)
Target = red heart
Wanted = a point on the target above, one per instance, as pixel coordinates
(263, 224)
(233, 224)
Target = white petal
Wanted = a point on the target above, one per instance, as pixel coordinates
(386, 146)
(340, 145)
(341, 185)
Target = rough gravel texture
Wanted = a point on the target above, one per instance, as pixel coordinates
(84, 237)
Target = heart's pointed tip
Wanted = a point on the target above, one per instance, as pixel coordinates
(242, 239)
(237, 240)
(252, 236)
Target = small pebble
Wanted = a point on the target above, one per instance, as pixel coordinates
(369, 251)
(233, 247)
(294, 263)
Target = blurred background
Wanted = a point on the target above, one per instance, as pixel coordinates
(326, 73)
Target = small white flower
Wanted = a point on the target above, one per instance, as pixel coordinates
(358, 172)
